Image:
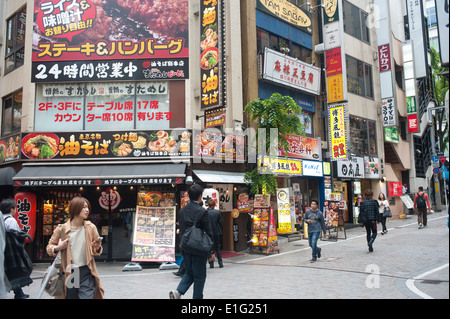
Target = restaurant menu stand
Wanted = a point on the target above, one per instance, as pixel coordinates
(264, 232)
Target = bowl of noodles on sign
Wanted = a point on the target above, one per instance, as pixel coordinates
(40, 145)
(209, 58)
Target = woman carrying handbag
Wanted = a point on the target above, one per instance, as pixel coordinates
(78, 241)
(384, 210)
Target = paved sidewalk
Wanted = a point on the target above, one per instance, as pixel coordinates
(343, 272)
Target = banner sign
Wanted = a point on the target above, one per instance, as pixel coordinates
(284, 211)
(26, 206)
(388, 111)
(280, 166)
(303, 147)
(210, 58)
(353, 168)
(395, 189)
(288, 12)
(338, 131)
(82, 40)
(291, 72)
(105, 145)
(154, 238)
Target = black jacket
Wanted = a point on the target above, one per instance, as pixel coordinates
(370, 208)
(215, 218)
(187, 217)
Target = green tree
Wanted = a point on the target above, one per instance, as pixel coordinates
(441, 87)
(278, 112)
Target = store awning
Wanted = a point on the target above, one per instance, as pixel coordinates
(98, 175)
(220, 177)
(6, 175)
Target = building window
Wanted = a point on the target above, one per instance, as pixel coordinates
(274, 42)
(12, 114)
(15, 40)
(359, 77)
(355, 22)
(363, 139)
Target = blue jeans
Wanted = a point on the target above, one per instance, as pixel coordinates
(195, 267)
(313, 238)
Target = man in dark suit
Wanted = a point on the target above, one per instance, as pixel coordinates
(215, 218)
(195, 266)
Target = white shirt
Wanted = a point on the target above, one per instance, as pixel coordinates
(77, 240)
(386, 204)
(11, 223)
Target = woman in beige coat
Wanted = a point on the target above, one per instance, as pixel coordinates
(79, 242)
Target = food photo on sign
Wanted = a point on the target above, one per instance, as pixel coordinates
(103, 32)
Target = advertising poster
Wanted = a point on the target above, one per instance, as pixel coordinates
(91, 40)
(154, 238)
(284, 211)
(338, 132)
(10, 149)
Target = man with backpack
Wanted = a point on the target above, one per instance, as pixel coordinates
(422, 202)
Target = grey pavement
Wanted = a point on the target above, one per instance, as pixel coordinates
(407, 263)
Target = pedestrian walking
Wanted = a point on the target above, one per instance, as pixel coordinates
(8, 208)
(316, 222)
(79, 242)
(369, 215)
(421, 202)
(215, 218)
(384, 204)
(195, 265)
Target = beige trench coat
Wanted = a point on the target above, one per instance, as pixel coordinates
(91, 235)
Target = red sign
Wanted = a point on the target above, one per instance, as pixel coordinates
(395, 189)
(384, 57)
(413, 123)
(109, 199)
(334, 62)
(303, 147)
(26, 213)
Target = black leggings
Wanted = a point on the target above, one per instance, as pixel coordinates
(371, 229)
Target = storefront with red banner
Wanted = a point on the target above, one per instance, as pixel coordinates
(112, 170)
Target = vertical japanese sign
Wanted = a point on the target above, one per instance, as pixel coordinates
(26, 213)
(338, 132)
(333, 34)
(388, 112)
(210, 37)
(92, 40)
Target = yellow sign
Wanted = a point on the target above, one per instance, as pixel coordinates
(335, 86)
(235, 213)
(288, 12)
(280, 166)
(338, 132)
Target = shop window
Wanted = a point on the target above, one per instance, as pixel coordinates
(274, 42)
(359, 77)
(12, 114)
(355, 22)
(363, 140)
(15, 40)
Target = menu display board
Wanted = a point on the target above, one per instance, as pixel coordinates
(264, 233)
(154, 238)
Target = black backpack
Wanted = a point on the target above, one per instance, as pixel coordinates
(420, 201)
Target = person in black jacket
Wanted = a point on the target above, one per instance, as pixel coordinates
(369, 207)
(215, 218)
(195, 266)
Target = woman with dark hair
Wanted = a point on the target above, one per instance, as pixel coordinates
(79, 242)
(369, 216)
(384, 204)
